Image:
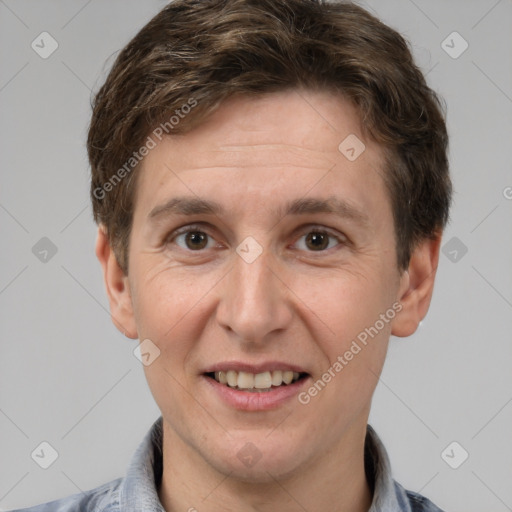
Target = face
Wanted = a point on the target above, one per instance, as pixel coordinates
(260, 253)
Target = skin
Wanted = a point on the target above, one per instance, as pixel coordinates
(293, 303)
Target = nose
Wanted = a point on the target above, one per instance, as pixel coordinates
(255, 301)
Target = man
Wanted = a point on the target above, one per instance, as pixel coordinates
(271, 183)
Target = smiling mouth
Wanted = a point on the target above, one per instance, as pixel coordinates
(256, 382)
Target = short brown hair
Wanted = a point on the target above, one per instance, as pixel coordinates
(197, 53)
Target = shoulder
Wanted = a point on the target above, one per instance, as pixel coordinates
(414, 502)
(104, 498)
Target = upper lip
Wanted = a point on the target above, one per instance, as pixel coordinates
(267, 366)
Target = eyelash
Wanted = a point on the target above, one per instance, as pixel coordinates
(199, 228)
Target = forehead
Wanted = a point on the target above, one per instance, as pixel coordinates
(279, 145)
(293, 124)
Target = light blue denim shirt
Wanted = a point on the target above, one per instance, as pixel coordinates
(137, 491)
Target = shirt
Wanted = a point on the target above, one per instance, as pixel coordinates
(137, 491)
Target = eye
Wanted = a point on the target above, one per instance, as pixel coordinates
(191, 238)
(194, 238)
(318, 240)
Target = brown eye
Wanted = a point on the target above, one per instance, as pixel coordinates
(317, 241)
(196, 240)
(191, 238)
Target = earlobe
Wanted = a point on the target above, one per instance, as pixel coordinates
(417, 286)
(117, 287)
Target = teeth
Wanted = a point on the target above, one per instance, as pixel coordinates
(245, 380)
(277, 378)
(259, 381)
(263, 380)
(287, 377)
(232, 378)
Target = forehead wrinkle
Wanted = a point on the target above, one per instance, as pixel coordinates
(283, 151)
(261, 155)
(254, 166)
(278, 146)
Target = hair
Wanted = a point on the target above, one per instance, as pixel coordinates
(194, 54)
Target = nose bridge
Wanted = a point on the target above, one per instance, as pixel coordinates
(253, 301)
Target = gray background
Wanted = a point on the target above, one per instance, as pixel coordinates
(69, 378)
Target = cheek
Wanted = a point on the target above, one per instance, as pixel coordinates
(347, 302)
(169, 312)
(353, 313)
(172, 309)
(164, 298)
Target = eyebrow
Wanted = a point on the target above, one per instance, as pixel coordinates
(196, 206)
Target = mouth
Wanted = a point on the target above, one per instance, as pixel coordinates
(262, 382)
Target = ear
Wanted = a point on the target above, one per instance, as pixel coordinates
(417, 286)
(117, 287)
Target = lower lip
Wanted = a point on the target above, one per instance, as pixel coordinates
(254, 401)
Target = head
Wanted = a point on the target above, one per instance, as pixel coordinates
(247, 109)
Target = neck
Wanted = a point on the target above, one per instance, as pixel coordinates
(335, 481)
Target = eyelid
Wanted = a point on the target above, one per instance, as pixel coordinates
(185, 229)
(341, 238)
(317, 228)
(297, 234)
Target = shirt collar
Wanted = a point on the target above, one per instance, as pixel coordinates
(378, 474)
(139, 488)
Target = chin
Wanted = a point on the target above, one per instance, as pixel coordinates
(257, 459)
